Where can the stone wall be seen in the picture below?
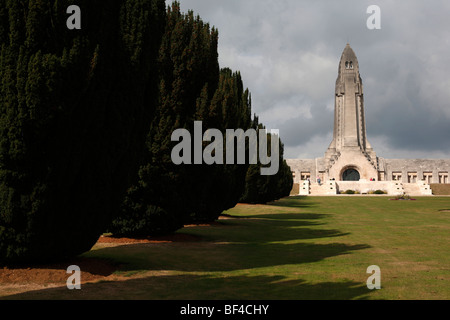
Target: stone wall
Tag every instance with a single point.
(364, 187)
(302, 165)
(422, 168)
(409, 170)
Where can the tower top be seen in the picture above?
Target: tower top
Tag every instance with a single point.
(350, 152)
(349, 124)
(349, 62)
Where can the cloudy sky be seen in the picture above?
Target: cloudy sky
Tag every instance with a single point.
(288, 53)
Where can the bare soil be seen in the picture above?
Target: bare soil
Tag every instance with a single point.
(177, 237)
(16, 279)
(92, 269)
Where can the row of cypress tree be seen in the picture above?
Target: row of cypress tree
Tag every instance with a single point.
(86, 118)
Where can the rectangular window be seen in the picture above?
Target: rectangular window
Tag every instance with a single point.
(305, 176)
(397, 176)
(412, 177)
(428, 177)
(443, 177)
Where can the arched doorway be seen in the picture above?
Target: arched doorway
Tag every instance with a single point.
(351, 174)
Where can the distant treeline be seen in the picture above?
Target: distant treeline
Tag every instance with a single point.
(86, 118)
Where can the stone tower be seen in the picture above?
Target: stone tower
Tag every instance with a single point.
(350, 155)
(350, 163)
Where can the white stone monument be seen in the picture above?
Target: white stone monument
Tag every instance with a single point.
(350, 161)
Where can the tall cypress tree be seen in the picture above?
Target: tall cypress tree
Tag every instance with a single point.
(261, 188)
(220, 187)
(159, 200)
(192, 88)
(74, 112)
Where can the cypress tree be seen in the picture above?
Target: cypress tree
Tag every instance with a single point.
(192, 88)
(74, 112)
(261, 189)
(221, 186)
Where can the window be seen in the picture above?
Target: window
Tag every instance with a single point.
(396, 176)
(351, 175)
(412, 177)
(305, 176)
(443, 177)
(428, 176)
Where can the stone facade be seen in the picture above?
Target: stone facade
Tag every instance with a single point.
(350, 163)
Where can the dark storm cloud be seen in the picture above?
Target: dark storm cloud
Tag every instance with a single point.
(288, 53)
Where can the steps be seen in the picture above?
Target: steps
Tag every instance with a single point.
(326, 188)
(417, 189)
(412, 189)
(391, 187)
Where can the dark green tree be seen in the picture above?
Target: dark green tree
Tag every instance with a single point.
(266, 188)
(192, 88)
(75, 107)
(161, 198)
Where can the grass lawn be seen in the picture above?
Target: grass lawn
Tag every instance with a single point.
(296, 248)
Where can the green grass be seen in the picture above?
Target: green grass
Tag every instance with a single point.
(296, 248)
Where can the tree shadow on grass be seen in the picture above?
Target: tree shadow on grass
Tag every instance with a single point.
(282, 216)
(288, 202)
(222, 257)
(264, 241)
(294, 202)
(249, 244)
(275, 228)
(204, 287)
